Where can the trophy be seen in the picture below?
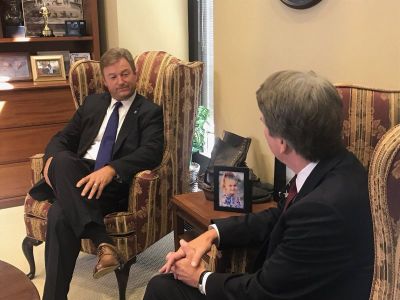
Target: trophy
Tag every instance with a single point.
(46, 31)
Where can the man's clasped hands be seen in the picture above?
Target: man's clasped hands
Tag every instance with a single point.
(185, 262)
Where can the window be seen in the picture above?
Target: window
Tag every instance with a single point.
(201, 47)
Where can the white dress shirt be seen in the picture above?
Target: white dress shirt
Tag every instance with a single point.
(123, 110)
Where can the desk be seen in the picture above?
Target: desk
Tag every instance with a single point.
(196, 210)
(14, 284)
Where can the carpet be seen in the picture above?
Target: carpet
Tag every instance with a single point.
(83, 286)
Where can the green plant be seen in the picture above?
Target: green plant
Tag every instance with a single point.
(199, 133)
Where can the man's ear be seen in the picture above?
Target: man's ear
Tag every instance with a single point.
(284, 147)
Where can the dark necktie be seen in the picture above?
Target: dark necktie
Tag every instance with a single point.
(108, 140)
(292, 192)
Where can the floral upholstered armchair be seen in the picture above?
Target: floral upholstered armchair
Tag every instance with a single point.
(370, 132)
(384, 191)
(175, 85)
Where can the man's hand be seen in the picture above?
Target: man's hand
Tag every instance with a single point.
(96, 182)
(184, 270)
(201, 245)
(46, 171)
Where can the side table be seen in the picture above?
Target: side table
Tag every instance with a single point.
(14, 284)
(196, 210)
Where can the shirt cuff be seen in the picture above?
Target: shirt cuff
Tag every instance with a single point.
(216, 229)
(202, 288)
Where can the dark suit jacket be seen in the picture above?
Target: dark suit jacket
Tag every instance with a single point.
(139, 144)
(320, 248)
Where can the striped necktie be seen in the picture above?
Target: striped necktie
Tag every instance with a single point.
(292, 192)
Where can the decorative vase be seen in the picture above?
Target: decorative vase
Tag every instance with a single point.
(194, 169)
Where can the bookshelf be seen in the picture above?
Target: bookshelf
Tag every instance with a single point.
(32, 112)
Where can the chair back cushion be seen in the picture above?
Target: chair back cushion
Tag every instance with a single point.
(384, 190)
(85, 79)
(176, 85)
(368, 114)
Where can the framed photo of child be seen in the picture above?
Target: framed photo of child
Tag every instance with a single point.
(232, 191)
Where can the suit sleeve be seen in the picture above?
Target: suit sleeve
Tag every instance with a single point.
(68, 138)
(312, 252)
(149, 153)
(247, 227)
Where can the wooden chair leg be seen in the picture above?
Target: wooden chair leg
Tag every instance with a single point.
(122, 275)
(27, 248)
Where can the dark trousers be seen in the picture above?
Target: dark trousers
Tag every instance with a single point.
(72, 217)
(165, 286)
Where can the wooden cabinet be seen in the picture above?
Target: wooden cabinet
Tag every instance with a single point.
(31, 113)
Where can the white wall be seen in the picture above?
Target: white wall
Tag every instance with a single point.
(347, 41)
(142, 25)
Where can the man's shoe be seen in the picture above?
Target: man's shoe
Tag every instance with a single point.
(108, 260)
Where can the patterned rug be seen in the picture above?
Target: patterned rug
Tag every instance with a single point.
(147, 266)
(83, 286)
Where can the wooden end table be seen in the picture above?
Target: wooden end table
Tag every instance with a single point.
(196, 210)
(14, 284)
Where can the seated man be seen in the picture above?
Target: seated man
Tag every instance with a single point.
(318, 242)
(89, 166)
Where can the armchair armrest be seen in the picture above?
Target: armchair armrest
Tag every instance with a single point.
(37, 167)
(144, 186)
(142, 199)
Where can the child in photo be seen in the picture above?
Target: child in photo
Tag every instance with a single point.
(229, 188)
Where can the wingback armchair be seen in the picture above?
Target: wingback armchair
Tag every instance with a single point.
(384, 191)
(175, 85)
(368, 114)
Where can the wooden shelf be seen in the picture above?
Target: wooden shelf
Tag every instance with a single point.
(45, 39)
(27, 85)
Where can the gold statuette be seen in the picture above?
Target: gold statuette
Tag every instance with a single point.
(46, 31)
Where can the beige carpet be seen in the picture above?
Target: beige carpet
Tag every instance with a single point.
(83, 286)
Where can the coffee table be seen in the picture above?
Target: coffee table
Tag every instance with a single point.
(14, 284)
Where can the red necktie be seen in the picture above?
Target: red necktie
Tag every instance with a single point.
(292, 192)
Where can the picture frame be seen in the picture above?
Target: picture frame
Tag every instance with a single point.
(74, 57)
(232, 190)
(48, 67)
(75, 28)
(15, 67)
(65, 55)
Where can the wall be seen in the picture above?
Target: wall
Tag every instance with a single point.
(145, 25)
(346, 41)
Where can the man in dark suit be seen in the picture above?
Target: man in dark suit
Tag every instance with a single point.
(318, 243)
(89, 166)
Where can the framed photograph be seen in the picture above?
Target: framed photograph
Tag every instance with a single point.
(232, 191)
(65, 55)
(14, 66)
(48, 67)
(74, 57)
(75, 28)
(59, 12)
